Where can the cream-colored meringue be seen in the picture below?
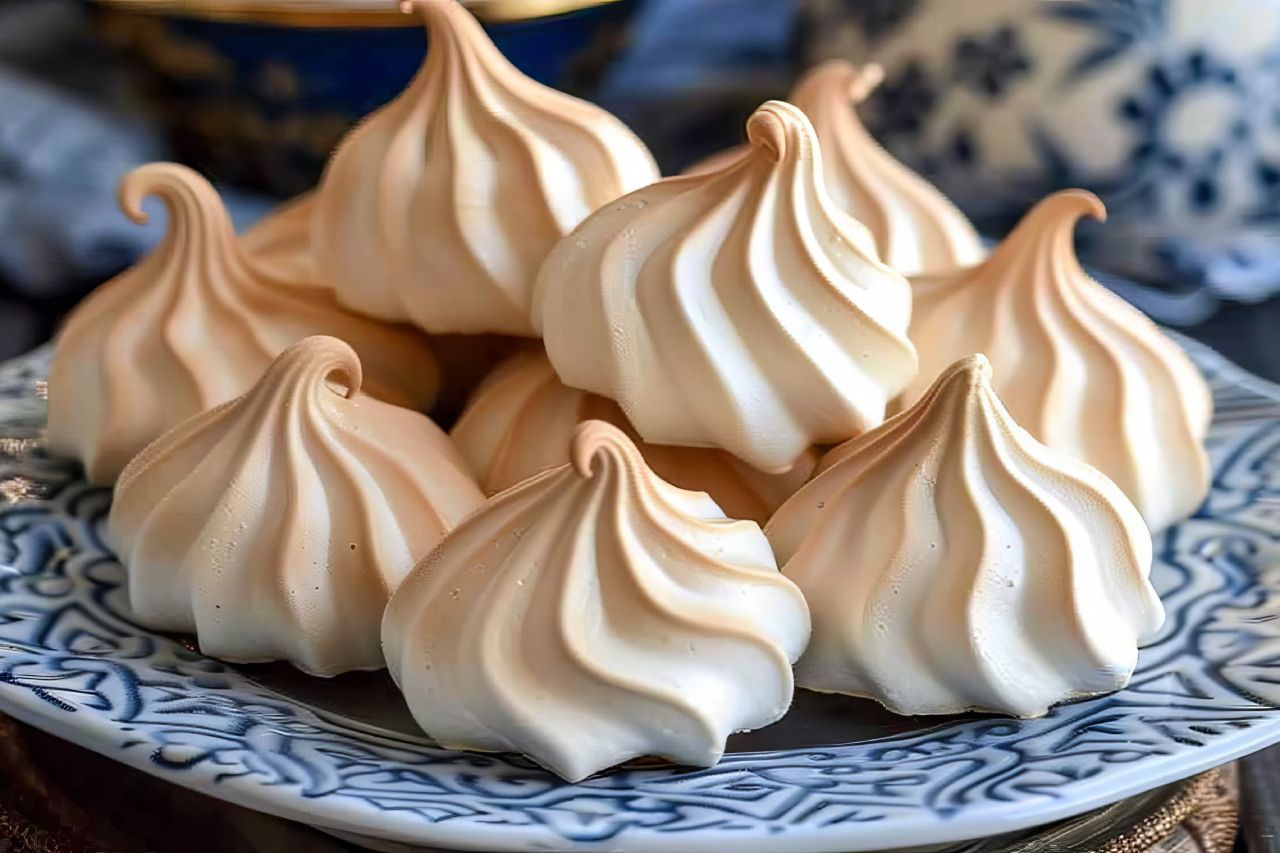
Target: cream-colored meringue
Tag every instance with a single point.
(918, 231)
(439, 207)
(194, 324)
(953, 563)
(593, 614)
(738, 309)
(1081, 369)
(281, 242)
(276, 526)
(519, 422)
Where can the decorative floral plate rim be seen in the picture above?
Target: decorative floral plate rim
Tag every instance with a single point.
(1207, 691)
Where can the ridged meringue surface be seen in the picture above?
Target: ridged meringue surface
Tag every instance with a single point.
(281, 242)
(594, 614)
(520, 420)
(439, 207)
(952, 563)
(192, 325)
(1081, 369)
(276, 526)
(738, 309)
(918, 231)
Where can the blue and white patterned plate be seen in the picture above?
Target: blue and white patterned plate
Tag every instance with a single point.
(837, 775)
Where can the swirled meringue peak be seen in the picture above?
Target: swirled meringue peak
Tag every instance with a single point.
(955, 563)
(276, 526)
(439, 207)
(281, 242)
(918, 231)
(192, 325)
(738, 309)
(1081, 369)
(520, 420)
(596, 613)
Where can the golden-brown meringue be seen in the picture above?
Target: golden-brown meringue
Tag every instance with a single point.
(192, 325)
(520, 420)
(739, 309)
(439, 207)
(281, 242)
(952, 563)
(1080, 368)
(918, 231)
(593, 614)
(277, 525)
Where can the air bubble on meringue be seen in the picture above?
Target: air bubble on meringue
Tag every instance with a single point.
(954, 563)
(595, 613)
(1080, 368)
(276, 526)
(739, 309)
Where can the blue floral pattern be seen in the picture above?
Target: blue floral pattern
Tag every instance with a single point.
(73, 661)
(1173, 122)
(1118, 26)
(991, 64)
(1154, 158)
(904, 102)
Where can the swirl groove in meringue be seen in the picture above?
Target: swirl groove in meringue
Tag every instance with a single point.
(192, 325)
(1081, 369)
(738, 309)
(439, 207)
(277, 525)
(918, 231)
(593, 614)
(520, 420)
(953, 563)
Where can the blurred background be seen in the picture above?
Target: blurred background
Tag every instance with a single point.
(1168, 109)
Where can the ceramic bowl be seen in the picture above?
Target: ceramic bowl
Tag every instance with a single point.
(1169, 109)
(257, 93)
(836, 774)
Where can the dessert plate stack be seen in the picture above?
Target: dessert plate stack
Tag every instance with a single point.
(780, 422)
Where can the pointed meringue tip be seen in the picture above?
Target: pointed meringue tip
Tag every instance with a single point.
(173, 182)
(975, 368)
(1073, 204)
(864, 81)
(768, 126)
(597, 440)
(977, 364)
(318, 358)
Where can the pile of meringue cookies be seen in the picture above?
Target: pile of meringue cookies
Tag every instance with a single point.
(957, 457)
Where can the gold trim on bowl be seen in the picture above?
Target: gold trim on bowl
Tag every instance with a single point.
(304, 14)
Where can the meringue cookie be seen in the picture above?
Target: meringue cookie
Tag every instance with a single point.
(276, 526)
(593, 614)
(439, 207)
(520, 420)
(954, 563)
(738, 309)
(192, 325)
(281, 242)
(1082, 370)
(918, 231)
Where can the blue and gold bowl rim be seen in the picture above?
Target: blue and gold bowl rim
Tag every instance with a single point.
(336, 14)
